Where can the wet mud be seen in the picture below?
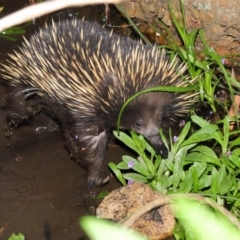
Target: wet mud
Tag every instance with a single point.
(41, 187)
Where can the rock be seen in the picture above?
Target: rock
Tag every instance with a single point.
(120, 203)
(218, 19)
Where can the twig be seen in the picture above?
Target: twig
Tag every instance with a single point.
(129, 221)
(43, 8)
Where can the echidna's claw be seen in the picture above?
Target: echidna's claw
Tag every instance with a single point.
(29, 92)
(22, 104)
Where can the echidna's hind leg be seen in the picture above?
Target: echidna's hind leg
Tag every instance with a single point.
(21, 104)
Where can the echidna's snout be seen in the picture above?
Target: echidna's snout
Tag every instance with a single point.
(151, 132)
(158, 145)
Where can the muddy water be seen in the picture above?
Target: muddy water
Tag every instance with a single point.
(40, 185)
(39, 182)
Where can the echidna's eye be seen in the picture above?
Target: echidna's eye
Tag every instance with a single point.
(139, 123)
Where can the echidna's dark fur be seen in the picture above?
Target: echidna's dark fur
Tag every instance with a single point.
(83, 73)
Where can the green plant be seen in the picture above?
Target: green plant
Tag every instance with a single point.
(15, 32)
(200, 221)
(18, 236)
(12, 33)
(96, 227)
(207, 69)
(191, 166)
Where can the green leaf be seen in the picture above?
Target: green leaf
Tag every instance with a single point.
(200, 168)
(200, 157)
(139, 141)
(236, 152)
(161, 169)
(178, 168)
(225, 182)
(235, 158)
(222, 173)
(214, 183)
(227, 162)
(180, 29)
(117, 173)
(150, 149)
(218, 136)
(102, 195)
(157, 163)
(132, 23)
(204, 181)
(100, 229)
(141, 160)
(18, 236)
(13, 31)
(195, 179)
(162, 184)
(200, 121)
(182, 136)
(169, 165)
(235, 142)
(122, 166)
(164, 139)
(226, 134)
(204, 134)
(226, 185)
(135, 177)
(140, 168)
(209, 224)
(126, 140)
(205, 150)
(187, 183)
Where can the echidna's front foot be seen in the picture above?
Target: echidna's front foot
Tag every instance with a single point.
(21, 105)
(98, 177)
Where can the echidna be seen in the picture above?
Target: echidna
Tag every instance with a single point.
(82, 74)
